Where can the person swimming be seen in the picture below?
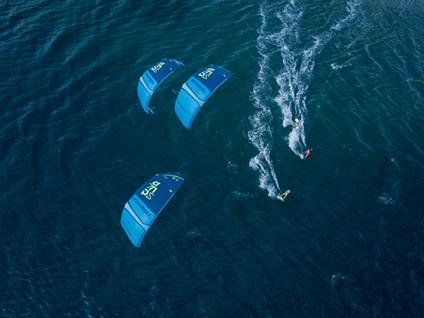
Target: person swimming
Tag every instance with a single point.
(296, 120)
(284, 195)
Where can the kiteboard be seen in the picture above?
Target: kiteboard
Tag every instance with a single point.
(152, 110)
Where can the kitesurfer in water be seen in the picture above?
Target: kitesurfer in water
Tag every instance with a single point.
(296, 120)
(284, 195)
(307, 153)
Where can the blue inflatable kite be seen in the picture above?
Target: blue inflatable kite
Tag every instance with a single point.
(146, 204)
(197, 90)
(152, 78)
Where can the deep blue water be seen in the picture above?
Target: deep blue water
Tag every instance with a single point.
(75, 145)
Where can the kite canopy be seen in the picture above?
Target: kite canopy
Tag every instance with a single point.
(197, 90)
(152, 78)
(146, 204)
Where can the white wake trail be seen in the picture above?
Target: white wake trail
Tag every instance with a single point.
(279, 33)
(261, 134)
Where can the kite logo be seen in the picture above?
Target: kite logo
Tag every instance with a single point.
(199, 85)
(206, 73)
(141, 206)
(150, 190)
(157, 67)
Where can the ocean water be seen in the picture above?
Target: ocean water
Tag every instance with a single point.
(75, 144)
